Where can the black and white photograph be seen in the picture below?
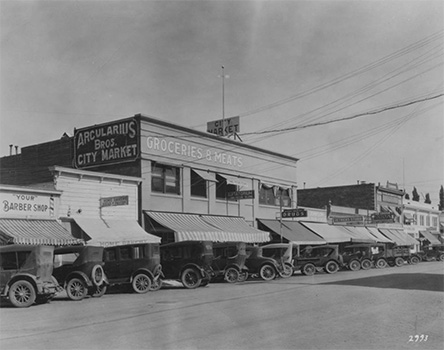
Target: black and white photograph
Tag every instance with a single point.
(221, 174)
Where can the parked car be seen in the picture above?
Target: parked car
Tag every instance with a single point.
(188, 262)
(364, 256)
(79, 269)
(137, 265)
(432, 252)
(258, 264)
(229, 261)
(26, 274)
(313, 259)
(283, 254)
(396, 255)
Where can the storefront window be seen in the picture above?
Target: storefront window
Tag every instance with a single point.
(427, 220)
(222, 187)
(272, 196)
(165, 179)
(421, 220)
(198, 185)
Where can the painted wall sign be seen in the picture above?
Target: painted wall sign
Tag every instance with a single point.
(294, 213)
(382, 217)
(26, 205)
(185, 150)
(106, 143)
(114, 201)
(247, 194)
(223, 127)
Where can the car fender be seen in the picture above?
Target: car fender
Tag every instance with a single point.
(194, 266)
(24, 276)
(79, 274)
(145, 271)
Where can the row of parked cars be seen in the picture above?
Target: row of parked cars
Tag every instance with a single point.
(35, 273)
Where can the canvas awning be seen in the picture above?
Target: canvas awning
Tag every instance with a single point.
(360, 234)
(330, 233)
(399, 237)
(378, 235)
(430, 237)
(113, 232)
(199, 227)
(233, 180)
(35, 231)
(205, 175)
(293, 231)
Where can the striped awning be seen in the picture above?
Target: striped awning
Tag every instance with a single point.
(331, 233)
(430, 237)
(199, 227)
(360, 234)
(35, 231)
(111, 232)
(293, 231)
(399, 237)
(378, 235)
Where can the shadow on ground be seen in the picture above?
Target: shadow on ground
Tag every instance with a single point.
(414, 281)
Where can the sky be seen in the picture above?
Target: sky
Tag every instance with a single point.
(292, 71)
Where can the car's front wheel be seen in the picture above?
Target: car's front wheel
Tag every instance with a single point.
(414, 260)
(99, 291)
(308, 269)
(191, 278)
(267, 272)
(441, 257)
(331, 267)
(354, 265)
(380, 263)
(399, 261)
(156, 285)
(22, 294)
(243, 276)
(287, 271)
(76, 289)
(231, 275)
(366, 264)
(141, 283)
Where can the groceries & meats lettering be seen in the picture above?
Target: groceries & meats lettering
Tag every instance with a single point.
(105, 144)
(190, 151)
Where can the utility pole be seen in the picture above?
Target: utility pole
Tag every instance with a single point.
(223, 76)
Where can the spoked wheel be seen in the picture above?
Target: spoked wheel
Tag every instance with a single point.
(99, 291)
(381, 264)
(231, 275)
(76, 289)
(366, 264)
(331, 267)
(156, 285)
(191, 278)
(399, 261)
(243, 276)
(267, 272)
(441, 257)
(286, 271)
(414, 260)
(354, 265)
(141, 283)
(308, 269)
(22, 294)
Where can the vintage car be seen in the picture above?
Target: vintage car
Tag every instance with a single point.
(137, 265)
(365, 255)
(79, 269)
(283, 254)
(188, 262)
(258, 264)
(26, 274)
(432, 252)
(395, 255)
(229, 261)
(317, 258)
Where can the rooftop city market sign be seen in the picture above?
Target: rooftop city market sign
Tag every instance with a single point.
(106, 143)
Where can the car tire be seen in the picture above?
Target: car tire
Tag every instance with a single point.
(97, 275)
(331, 267)
(308, 269)
(191, 278)
(243, 276)
(287, 271)
(399, 261)
(22, 294)
(99, 291)
(156, 284)
(381, 264)
(76, 289)
(414, 260)
(366, 264)
(354, 265)
(441, 257)
(267, 272)
(141, 283)
(231, 275)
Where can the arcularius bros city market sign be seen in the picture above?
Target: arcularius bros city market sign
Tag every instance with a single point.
(106, 143)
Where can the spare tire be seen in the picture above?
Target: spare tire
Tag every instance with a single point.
(97, 275)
